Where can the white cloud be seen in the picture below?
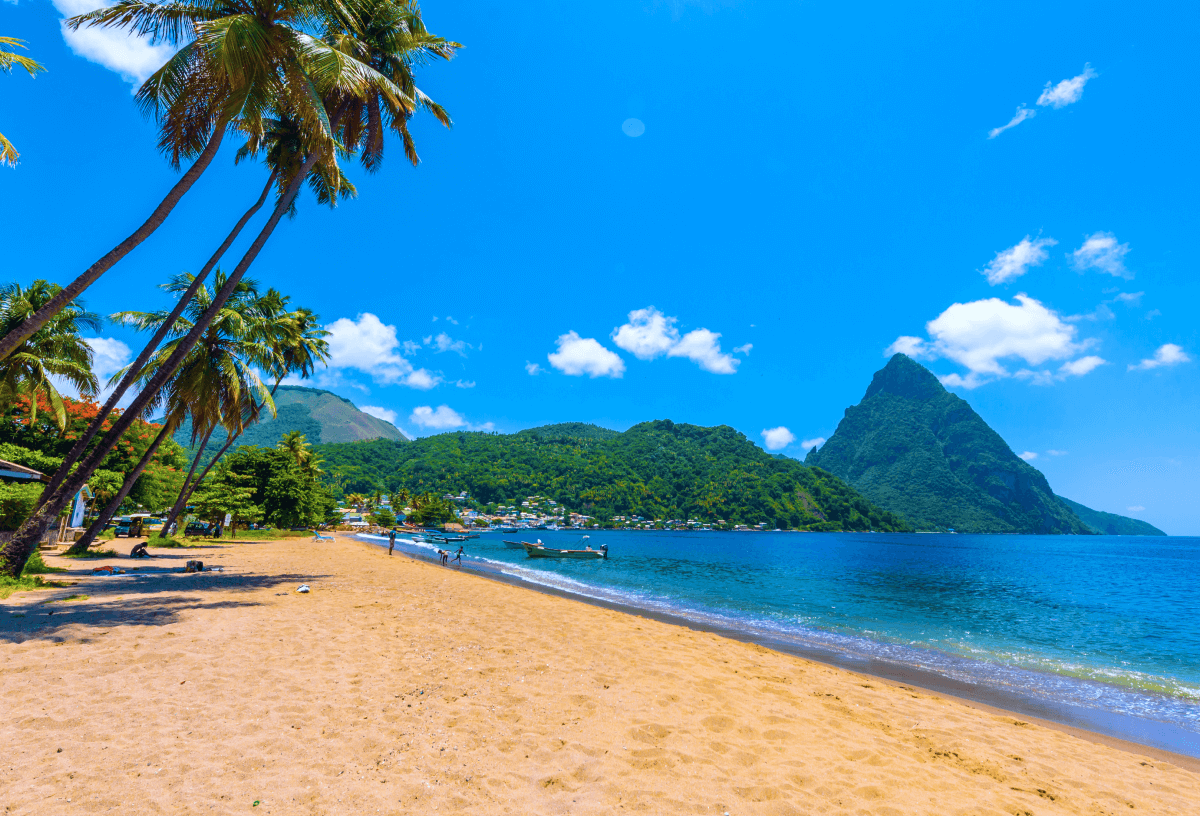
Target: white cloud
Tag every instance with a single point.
(1084, 365)
(386, 414)
(440, 419)
(1067, 91)
(648, 334)
(911, 346)
(452, 320)
(1057, 452)
(410, 348)
(1028, 456)
(533, 368)
(579, 355)
(134, 58)
(702, 347)
(1101, 251)
(743, 349)
(370, 346)
(777, 438)
(1137, 508)
(1020, 116)
(1016, 260)
(980, 334)
(444, 342)
(465, 383)
(813, 443)
(1168, 354)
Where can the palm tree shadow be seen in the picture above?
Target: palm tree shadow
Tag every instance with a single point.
(137, 601)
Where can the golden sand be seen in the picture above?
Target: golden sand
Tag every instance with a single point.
(404, 687)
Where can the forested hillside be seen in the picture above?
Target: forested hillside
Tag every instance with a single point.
(1111, 523)
(321, 416)
(656, 469)
(918, 450)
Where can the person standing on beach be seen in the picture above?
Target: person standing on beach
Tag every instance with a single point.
(458, 555)
(391, 541)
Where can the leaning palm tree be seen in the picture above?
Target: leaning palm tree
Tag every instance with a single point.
(216, 382)
(8, 153)
(339, 74)
(237, 60)
(54, 351)
(296, 344)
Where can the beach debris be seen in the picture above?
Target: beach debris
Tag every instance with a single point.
(304, 588)
(194, 566)
(107, 570)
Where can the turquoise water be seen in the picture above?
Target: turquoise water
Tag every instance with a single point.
(1101, 622)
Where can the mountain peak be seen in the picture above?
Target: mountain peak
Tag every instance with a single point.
(905, 377)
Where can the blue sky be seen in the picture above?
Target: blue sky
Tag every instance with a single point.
(816, 183)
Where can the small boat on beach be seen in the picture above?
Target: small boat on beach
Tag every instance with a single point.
(540, 550)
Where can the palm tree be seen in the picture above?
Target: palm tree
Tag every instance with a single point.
(215, 384)
(238, 59)
(8, 153)
(340, 75)
(55, 350)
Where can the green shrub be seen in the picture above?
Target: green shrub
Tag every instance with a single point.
(17, 502)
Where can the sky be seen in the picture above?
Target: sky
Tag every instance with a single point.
(717, 212)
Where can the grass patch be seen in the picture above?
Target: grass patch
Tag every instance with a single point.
(28, 582)
(177, 542)
(76, 597)
(107, 535)
(269, 535)
(93, 554)
(36, 566)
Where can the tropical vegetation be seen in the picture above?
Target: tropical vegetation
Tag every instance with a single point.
(304, 82)
(8, 154)
(660, 469)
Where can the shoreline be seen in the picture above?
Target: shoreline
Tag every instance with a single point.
(1121, 731)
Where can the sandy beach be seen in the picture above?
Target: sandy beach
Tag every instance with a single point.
(398, 686)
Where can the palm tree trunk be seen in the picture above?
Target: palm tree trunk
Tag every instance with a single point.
(85, 541)
(184, 493)
(131, 375)
(25, 330)
(16, 552)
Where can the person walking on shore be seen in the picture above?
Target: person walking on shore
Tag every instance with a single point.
(391, 541)
(458, 556)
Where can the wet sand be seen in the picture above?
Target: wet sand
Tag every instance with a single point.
(398, 686)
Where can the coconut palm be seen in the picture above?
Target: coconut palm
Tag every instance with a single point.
(8, 153)
(217, 382)
(317, 146)
(238, 60)
(55, 350)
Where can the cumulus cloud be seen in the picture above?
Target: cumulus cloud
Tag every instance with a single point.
(981, 334)
(584, 355)
(109, 356)
(370, 346)
(410, 347)
(650, 334)
(777, 438)
(703, 348)
(1067, 91)
(743, 349)
(464, 383)
(1015, 261)
(1028, 456)
(533, 368)
(1020, 116)
(1101, 251)
(441, 418)
(134, 58)
(386, 414)
(813, 443)
(1168, 354)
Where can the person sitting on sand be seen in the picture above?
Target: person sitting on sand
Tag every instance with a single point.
(139, 551)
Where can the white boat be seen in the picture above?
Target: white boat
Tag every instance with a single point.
(540, 550)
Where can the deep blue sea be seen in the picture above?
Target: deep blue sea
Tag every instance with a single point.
(1101, 624)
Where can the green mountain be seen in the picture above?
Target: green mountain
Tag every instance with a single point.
(917, 450)
(320, 415)
(658, 470)
(1110, 523)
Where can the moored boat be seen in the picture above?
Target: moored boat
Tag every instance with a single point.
(540, 550)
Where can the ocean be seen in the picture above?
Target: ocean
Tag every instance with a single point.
(1101, 632)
